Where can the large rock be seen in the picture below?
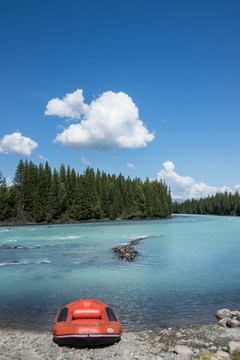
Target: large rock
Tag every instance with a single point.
(235, 313)
(223, 313)
(234, 346)
(222, 354)
(183, 350)
(223, 322)
(233, 323)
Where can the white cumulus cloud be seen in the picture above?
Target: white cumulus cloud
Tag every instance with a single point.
(110, 122)
(185, 187)
(17, 144)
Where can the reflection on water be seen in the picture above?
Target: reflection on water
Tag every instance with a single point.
(187, 265)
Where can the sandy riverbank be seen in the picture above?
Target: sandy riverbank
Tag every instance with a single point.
(147, 344)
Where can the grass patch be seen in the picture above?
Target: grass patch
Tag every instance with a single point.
(207, 356)
(235, 355)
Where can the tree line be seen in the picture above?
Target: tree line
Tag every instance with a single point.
(219, 204)
(39, 194)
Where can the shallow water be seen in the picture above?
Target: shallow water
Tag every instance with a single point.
(187, 268)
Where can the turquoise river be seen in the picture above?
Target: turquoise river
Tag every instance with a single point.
(187, 268)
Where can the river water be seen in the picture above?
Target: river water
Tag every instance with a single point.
(187, 268)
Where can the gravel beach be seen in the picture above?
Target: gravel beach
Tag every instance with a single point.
(162, 343)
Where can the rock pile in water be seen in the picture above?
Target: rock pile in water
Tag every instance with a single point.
(127, 252)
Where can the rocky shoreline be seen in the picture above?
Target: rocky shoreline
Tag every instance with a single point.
(10, 223)
(204, 342)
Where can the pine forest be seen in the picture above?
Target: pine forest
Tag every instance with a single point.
(39, 194)
(219, 204)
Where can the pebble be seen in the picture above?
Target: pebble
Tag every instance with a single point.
(154, 351)
(183, 350)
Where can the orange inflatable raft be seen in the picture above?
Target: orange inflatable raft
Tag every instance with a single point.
(87, 322)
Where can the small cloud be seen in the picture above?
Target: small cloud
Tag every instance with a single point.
(85, 161)
(43, 158)
(185, 187)
(237, 187)
(110, 122)
(131, 166)
(60, 127)
(17, 144)
(162, 121)
(9, 181)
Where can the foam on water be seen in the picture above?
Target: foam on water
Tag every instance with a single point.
(14, 263)
(67, 237)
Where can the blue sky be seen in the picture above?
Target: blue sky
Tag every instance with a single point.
(153, 89)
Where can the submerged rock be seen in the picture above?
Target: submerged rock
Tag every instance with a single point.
(136, 241)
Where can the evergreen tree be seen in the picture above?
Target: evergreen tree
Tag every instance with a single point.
(148, 197)
(3, 197)
(11, 211)
(53, 200)
(76, 212)
(18, 184)
(104, 195)
(30, 188)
